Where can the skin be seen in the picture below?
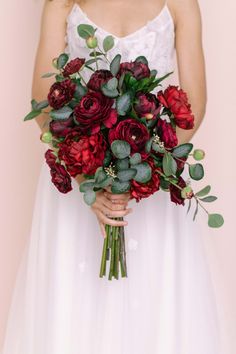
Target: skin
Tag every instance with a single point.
(190, 61)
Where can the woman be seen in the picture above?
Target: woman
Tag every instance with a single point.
(166, 305)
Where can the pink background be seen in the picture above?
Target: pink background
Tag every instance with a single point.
(22, 151)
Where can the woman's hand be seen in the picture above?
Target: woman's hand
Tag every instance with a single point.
(107, 206)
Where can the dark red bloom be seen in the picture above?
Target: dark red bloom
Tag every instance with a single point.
(61, 178)
(98, 78)
(61, 128)
(147, 105)
(176, 101)
(175, 192)
(61, 93)
(73, 66)
(132, 131)
(50, 157)
(137, 69)
(167, 133)
(139, 190)
(82, 154)
(93, 109)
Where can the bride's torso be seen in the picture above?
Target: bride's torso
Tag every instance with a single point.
(155, 40)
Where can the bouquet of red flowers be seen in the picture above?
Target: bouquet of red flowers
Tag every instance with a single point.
(118, 134)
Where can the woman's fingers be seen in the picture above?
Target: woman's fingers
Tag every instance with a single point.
(113, 206)
(115, 213)
(118, 198)
(102, 227)
(105, 220)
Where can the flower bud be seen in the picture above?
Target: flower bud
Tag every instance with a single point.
(46, 137)
(198, 154)
(148, 116)
(187, 192)
(92, 42)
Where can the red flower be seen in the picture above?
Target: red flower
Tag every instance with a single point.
(139, 190)
(132, 131)
(82, 154)
(73, 67)
(137, 69)
(61, 178)
(61, 93)
(147, 105)
(94, 109)
(167, 133)
(176, 101)
(175, 192)
(50, 158)
(61, 128)
(98, 78)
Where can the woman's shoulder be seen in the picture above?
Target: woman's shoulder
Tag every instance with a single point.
(59, 9)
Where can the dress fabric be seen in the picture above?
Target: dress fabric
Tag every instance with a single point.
(167, 305)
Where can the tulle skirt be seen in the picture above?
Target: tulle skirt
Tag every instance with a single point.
(60, 305)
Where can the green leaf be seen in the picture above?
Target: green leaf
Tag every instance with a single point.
(215, 220)
(32, 115)
(123, 104)
(120, 149)
(169, 164)
(108, 43)
(135, 159)
(196, 171)
(144, 172)
(42, 105)
(153, 73)
(85, 31)
(209, 199)
(45, 76)
(115, 65)
(122, 164)
(109, 93)
(164, 184)
(80, 90)
(97, 54)
(142, 59)
(148, 145)
(182, 150)
(163, 77)
(112, 84)
(126, 175)
(107, 159)
(110, 88)
(121, 80)
(86, 186)
(91, 61)
(34, 105)
(119, 187)
(62, 60)
(203, 191)
(196, 211)
(157, 148)
(189, 205)
(89, 197)
(62, 113)
(100, 175)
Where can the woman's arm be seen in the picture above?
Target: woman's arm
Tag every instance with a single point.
(190, 59)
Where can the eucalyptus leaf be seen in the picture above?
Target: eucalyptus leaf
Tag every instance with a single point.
(108, 43)
(91, 61)
(122, 164)
(86, 185)
(126, 175)
(169, 164)
(123, 103)
(96, 53)
(119, 187)
(144, 172)
(209, 199)
(135, 159)
(142, 59)
(189, 205)
(196, 171)
(62, 60)
(85, 31)
(195, 213)
(157, 148)
(120, 149)
(34, 105)
(47, 75)
(148, 145)
(215, 220)
(110, 93)
(42, 105)
(89, 197)
(32, 115)
(62, 113)
(203, 191)
(182, 150)
(115, 65)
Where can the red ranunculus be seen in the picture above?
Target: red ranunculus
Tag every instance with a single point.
(61, 93)
(147, 105)
(93, 109)
(139, 190)
(175, 192)
(98, 78)
(167, 133)
(50, 158)
(137, 69)
(82, 154)
(73, 66)
(61, 128)
(132, 131)
(61, 178)
(176, 101)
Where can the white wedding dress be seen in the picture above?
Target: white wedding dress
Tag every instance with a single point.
(60, 305)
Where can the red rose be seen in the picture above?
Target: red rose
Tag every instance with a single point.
(93, 109)
(61, 93)
(132, 131)
(175, 192)
(98, 78)
(139, 190)
(147, 105)
(137, 69)
(50, 158)
(73, 67)
(82, 154)
(167, 133)
(61, 178)
(61, 128)
(176, 100)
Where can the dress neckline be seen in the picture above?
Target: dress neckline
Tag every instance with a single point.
(138, 31)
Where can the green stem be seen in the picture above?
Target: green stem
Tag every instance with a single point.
(95, 56)
(112, 254)
(82, 79)
(103, 262)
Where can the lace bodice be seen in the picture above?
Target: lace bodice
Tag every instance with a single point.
(155, 40)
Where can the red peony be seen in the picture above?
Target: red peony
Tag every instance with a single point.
(93, 109)
(139, 190)
(167, 133)
(176, 101)
(61, 178)
(137, 69)
(61, 128)
(61, 93)
(82, 154)
(175, 192)
(98, 78)
(73, 67)
(147, 105)
(132, 131)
